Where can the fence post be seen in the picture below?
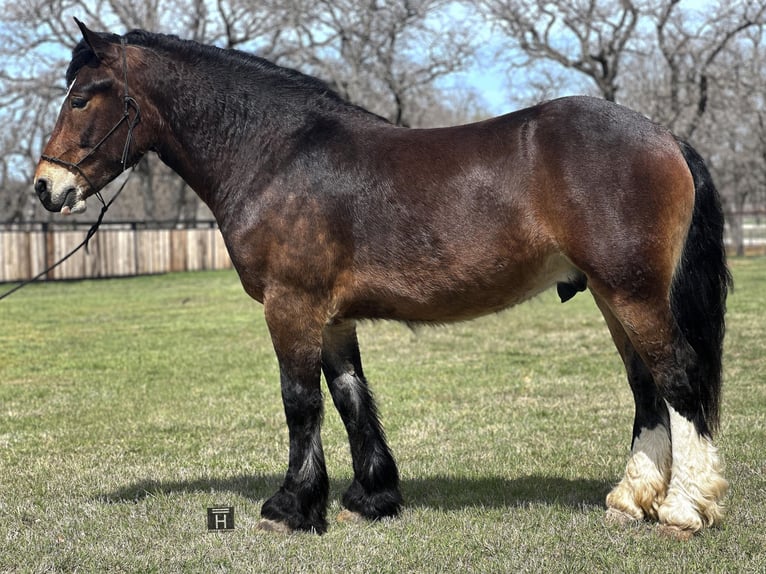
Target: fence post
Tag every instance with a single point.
(136, 256)
(50, 249)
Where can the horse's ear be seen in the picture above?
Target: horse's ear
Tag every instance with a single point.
(96, 43)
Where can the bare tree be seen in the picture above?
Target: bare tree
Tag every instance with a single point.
(590, 37)
(690, 47)
(698, 72)
(733, 130)
(383, 55)
(387, 56)
(708, 88)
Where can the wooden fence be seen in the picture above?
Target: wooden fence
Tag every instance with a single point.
(123, 249)
(118, 249)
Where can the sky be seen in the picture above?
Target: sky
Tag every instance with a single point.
(503, 89)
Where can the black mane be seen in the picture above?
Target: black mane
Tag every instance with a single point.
(190, 50)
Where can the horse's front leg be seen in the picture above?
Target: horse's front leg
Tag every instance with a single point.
(374, 492)
(301, 502)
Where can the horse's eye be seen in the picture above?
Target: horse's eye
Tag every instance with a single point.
(78, 103)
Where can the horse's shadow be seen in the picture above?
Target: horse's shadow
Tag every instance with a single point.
(439, 492)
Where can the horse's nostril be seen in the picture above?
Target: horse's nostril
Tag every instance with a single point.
(41, 186)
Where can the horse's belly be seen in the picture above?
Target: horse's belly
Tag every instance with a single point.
(450, 294)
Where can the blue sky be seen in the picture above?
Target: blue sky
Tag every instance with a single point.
(504, 89)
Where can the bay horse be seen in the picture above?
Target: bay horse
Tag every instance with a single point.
(333, 215)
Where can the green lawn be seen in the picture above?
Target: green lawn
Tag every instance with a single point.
(129, 406)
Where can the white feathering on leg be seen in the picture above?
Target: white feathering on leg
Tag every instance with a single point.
(642, 490)
(697, 484)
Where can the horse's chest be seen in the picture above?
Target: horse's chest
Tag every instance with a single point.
(295, 250)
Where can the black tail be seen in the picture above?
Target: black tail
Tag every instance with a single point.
(700, 287)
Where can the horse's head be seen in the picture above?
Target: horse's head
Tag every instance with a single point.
(97, 134)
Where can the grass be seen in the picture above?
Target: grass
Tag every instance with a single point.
(129, 406)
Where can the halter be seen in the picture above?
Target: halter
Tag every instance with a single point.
(129, 102)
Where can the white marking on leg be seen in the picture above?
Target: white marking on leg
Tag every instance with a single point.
(697, 484)
(642, 490)
(313, 459)
(350, 385)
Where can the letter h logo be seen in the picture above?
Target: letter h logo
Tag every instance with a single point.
(220, 518)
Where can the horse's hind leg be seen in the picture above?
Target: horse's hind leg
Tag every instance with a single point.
(374, 492)
(696, 487)
(643, 488)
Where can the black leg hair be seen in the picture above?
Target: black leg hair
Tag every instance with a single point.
(374, 492)
(651, 410)
(301, 502)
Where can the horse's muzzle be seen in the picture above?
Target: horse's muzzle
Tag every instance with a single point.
(58, 190)
(43, 191)
(66, 203)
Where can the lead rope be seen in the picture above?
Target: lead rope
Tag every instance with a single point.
(84, 243)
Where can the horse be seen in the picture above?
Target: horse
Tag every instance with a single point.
(332, 215)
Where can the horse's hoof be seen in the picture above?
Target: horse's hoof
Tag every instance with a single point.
(266, 525)
(674, 532)
(620, 518)
(350, 517)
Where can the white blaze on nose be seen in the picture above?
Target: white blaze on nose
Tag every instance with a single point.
(63, 186)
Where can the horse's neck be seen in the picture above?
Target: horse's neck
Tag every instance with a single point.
(221, 144)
